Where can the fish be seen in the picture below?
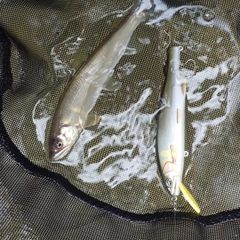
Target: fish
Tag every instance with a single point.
(73, 112)
(170, 138)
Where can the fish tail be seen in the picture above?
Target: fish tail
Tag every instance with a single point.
(189, 197)
(139, 10)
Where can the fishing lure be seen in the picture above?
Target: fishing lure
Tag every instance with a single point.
(171, 129)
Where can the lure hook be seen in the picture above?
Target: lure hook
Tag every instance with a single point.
(168, 44)
(169, 40)
(194, 68)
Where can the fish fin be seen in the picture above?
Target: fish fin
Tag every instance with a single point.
(140, 9)
(188, 196)
(92, 119)
(112, 85)
(76, 110)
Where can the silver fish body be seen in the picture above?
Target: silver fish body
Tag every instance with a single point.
(171, 124)
(171, 129)
(81, 94)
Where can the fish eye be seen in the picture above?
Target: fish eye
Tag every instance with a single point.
(59, 144)
(168, 182)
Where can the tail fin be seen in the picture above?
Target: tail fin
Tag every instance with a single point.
(188, 196)
(142, 9)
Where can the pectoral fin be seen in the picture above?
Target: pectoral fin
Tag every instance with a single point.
(112, 85)
(91, 120)
(188, 196)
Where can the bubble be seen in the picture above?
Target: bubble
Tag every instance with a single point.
(208, 15)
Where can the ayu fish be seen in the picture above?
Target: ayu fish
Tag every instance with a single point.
(171, 129)
(73, 111)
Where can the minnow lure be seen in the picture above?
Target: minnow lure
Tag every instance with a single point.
(171, 129)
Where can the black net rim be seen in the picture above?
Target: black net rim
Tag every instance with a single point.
(19, 158)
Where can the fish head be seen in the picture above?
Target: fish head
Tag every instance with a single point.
(172, 178)
(62, 141)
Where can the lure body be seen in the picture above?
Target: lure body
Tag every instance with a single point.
(171, 124)
(171, 127)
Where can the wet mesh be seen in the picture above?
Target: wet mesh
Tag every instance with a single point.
(109, 187)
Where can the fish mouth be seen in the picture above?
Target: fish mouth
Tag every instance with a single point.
(57, 156)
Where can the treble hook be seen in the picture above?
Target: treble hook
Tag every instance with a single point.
(169, 40)
(166, 47)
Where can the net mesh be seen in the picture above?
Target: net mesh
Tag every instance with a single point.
(40, 50)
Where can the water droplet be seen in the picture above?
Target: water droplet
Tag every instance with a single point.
(208, 15)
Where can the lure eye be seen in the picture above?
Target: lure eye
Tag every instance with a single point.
(59, 144)
(168, 182)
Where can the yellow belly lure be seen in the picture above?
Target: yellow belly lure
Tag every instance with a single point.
(171, 129)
